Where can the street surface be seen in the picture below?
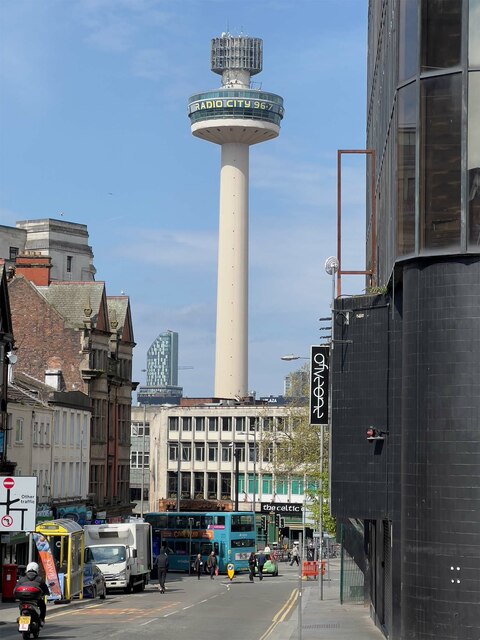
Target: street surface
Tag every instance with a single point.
(190, 609)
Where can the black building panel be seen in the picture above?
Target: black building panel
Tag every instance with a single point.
(361, 467)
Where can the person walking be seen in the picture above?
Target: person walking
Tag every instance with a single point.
(212, 564)
(197, 565)
(252, 562)
(162, 567)
(260, 562)
(295, 555)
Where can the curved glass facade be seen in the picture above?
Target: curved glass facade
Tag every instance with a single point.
(417, 101)
(227, 103)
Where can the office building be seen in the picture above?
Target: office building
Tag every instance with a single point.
(162, 372)
(406, 400)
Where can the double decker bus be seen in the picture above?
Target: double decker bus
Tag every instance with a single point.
(231, 535)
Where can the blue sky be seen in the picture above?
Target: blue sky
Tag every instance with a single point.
(93, 124)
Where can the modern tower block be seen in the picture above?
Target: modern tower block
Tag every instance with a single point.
(234, 116)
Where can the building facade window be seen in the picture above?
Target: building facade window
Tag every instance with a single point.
(213, 424)
(199, 484)
(186, 424)
(199, 452)
(186, 451)
(173, 423)
(173, 452)
(225, 486)
(240, 424)
(200, 424)
(267, 483)
(440, 187)
(473, 159)
(282, 486)
(212, 452)
(441, 34)
(186, 480)
(19, 431)
(212, 486)
(226, 453)
(406, 168)
(172, 484)
(226, 424)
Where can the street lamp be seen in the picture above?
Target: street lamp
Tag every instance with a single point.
(291, 356)
(142, 495)
(236, 454)
(248, 434)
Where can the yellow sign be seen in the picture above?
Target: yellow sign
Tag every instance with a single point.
(230, 570)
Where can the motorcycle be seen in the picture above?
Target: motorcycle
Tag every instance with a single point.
(29, 623)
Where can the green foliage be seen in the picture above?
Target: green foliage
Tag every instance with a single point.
(296, 452)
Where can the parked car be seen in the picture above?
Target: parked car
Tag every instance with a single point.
(270, 567)
(93, 582)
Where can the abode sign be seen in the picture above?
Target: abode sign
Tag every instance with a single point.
(319, 366)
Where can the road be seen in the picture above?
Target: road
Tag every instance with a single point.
(190, 609)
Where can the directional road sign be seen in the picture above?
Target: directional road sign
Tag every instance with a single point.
(18, 503)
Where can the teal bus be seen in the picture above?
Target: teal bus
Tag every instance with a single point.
(231, 535)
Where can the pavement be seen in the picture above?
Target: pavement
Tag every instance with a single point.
(325, 619)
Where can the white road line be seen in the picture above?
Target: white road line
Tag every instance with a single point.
(171, 613)
(148, 622)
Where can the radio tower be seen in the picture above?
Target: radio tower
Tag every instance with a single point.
(234, 116)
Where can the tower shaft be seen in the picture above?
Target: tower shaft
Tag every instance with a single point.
(231, 360)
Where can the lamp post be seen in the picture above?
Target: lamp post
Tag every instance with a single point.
(142, 494)
(190, 524)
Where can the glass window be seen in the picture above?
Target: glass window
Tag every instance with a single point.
(172, 451)
(226, 424)
(19, 430)
(441, 162)
(282, 486)
(172, 484)
(252, 486)
(242, 523)
(297, 486)
(225, 486)
(200, 424)
(406, 158)
(13, 253)
(241, 483)
(213, 424)
(212, 485)
(268, 453)
(212, 452)
(240, 424)
(186, 480)
(441, 34)
(267, 483)
(474, 33)
(268, 424)
(200, 452)
(186, 451)
(173, 423)
(69, 264)
(226, 453)
(199, 484)
(408, 40)
(251, 452)
(186, 424)
(473, 161)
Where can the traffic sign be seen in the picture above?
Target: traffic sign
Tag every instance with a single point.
(18, 504)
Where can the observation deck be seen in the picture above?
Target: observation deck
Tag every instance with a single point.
(235, 115)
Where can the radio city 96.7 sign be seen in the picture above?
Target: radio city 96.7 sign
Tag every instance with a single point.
(230, 103)
(319, 366)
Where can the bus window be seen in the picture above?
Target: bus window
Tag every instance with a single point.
(181, 547)
(246, 542)
(242, 523)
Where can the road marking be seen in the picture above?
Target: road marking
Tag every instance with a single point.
(148, 622)
(281, 614)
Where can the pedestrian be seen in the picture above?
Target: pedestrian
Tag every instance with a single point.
(261, 559)
(252, 562)
(197, 565)
(162, 568)
(212, 564)
(295, 555)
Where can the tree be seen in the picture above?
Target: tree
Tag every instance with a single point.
(295, 449)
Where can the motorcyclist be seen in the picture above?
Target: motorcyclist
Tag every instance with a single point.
(32, 578)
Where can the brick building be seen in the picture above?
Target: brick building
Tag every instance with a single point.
(74, 332)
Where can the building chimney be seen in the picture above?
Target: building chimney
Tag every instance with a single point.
(34, 267)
